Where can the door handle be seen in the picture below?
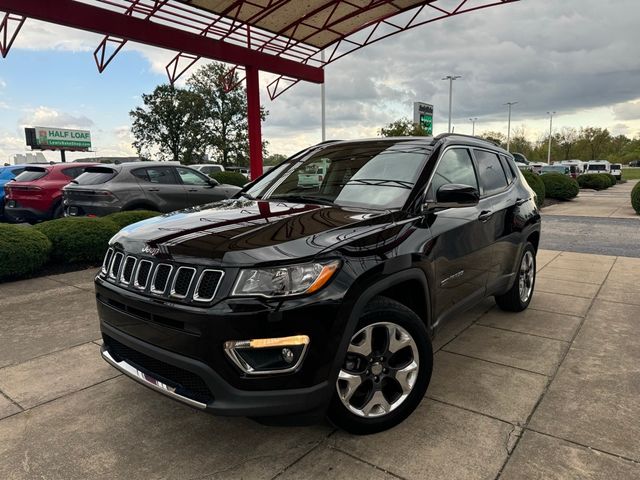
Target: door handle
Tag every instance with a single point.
(192, 190)
(485, 215)
(153, 189)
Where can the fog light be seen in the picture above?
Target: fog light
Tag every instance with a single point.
(264, 356)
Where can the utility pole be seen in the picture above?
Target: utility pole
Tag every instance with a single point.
(510, 104)
(324, 111)
(451, 78)
(551, 114)
(473, 123)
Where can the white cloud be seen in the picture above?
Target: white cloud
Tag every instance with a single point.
(49, 117)
(3, 84)
(627, 111)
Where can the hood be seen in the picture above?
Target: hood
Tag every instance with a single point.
(247, 232)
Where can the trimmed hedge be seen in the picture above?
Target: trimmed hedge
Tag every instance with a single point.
(596, 181)
(559, 186)
(230, 178)
(23, 250)
(536, 183)
(612, 179)
(78, 240)
(124, 219)
(635, 198)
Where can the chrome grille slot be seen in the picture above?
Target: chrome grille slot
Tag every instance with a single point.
(161, 278)
(115, 265)
(142, 274)
(207, 285)
(127, 270)
(107, 261)
(182, 282)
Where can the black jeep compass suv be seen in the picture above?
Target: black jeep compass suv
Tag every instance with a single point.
(305, 298)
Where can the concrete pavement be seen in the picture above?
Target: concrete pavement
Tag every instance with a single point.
(548, 393)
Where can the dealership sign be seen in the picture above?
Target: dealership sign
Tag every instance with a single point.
(423, 116)
(44, 138)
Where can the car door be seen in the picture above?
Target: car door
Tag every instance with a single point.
(460, 268)
(497, 201)
(162, 187)
(199, 188)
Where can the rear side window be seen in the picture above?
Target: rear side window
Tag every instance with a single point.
(95, 176)
(455, 166)
(162, 175)
(508, 170)
(492, 176)
(9, 173)
(32, 173)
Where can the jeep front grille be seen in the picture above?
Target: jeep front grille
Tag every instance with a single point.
(182, 283)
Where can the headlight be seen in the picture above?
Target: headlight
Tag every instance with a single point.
(283, 281)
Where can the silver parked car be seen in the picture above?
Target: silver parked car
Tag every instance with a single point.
(159, 186)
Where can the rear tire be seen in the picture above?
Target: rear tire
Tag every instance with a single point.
(386, 371)
(519, 295)
(58, 212)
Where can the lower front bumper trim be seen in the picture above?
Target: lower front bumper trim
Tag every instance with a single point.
(148, 381)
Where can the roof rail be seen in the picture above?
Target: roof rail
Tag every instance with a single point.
(437, 138)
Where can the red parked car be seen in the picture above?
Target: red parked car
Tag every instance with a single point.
(36, 194)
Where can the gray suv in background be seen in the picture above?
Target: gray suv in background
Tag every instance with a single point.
(160, 186)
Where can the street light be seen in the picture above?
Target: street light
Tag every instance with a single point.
(451, 78)
(511, 104)
(473, 123)
(551, 114)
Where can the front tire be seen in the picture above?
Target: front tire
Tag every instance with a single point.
(386, 370)
(519, 296)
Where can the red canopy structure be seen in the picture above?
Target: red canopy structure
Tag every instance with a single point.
(283, 37)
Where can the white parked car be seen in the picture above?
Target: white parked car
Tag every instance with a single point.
(598, 166)
(616, 170)
(208, 168)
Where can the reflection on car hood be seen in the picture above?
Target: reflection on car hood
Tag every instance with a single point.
(241, 232)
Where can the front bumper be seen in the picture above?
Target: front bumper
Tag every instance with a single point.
(178, 350)
(223, 399)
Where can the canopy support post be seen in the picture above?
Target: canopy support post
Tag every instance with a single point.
(254, 120)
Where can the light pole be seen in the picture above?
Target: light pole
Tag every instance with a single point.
(511, 104)
(451, 78)
(473, 125)
(551, 114)
(324, 99)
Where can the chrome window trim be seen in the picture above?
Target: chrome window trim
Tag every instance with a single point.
(435, 167)
(136, 276)
(106, 264)
(113, 275)
(153, 279)
(197, 297)
(172, 292)
(133, 269)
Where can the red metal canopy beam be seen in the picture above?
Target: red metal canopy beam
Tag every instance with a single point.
(95, 19)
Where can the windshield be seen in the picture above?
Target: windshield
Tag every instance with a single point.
(95, 176)
(597, 167)
(377, 175)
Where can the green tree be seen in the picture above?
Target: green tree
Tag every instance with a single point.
(275, 159)
(495, 137)
(226, 113)
(596, 140)
(566, 140)
(403, 128)
(169, 125)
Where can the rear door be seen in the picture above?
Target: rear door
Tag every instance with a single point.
(497, 201)
(198, 187)
(162, 187)
(460, 242)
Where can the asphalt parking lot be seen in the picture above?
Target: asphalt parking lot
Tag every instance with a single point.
(549, 393)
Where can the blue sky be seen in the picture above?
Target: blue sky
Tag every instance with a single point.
(575, 57)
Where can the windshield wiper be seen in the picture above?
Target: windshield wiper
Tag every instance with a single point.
(375, 182)
(301, 199)
(247, 195)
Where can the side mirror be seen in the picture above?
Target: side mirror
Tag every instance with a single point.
(213, 182)
(454, 195)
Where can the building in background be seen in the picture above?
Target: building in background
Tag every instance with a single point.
(22, 158)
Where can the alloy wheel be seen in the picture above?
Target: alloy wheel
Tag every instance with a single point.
(526, 277)
(380, 370)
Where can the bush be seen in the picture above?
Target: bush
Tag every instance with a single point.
(231, 178)
(635, 198)
(78, 240)
(536, 183)
(612, 179)
(23, 250)
(596, 181)
(559, 186)
(123, 219)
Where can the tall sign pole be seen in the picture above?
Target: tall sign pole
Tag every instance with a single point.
(510, 104)
(324, 108)
(551, 114)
